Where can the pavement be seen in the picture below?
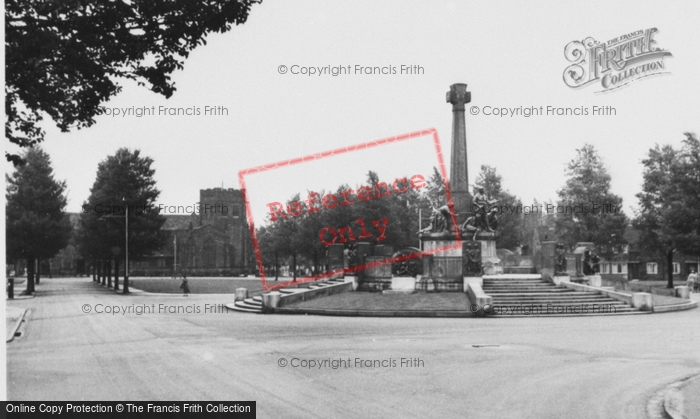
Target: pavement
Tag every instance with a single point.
(691, 399)
(663, 300)
(13, 320)
(170, 347)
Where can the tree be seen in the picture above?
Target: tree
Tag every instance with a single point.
(269, 249)
(63, 57)
(123, 180)
(510, 220)
(669, 214)
(37, 226)
(435, 190)
(306, 240)
(530, 222)
(587, 211)
(298, 236)
(400, 228)
(282, 239)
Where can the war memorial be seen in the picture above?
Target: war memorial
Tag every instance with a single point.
(458, 255)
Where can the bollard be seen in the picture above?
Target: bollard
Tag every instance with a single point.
(595, 281)
(643, 301)
(11, 288)
(271, 300)
(683, 292)
(241, 294)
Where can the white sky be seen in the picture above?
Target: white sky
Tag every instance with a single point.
(509, 53)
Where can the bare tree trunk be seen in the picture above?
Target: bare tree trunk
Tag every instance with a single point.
(669, 267)
(294, 266)
(277, 268)
(116, 274)
(109, 272)
(38, 270)
(94, 271)
(102, 272)
(30, 276)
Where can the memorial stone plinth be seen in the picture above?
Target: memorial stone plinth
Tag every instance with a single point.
(472, 263)
(547, 263)
(489, 257)
(447, 263)
(336, 260)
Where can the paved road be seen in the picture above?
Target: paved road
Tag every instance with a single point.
(586, 367)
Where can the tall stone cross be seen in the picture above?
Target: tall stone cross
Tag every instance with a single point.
(459, 178)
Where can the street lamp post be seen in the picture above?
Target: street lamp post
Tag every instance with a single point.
(126, 239)
(420, 227)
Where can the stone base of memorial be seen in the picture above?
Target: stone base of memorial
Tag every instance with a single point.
(446, 264)
(489, 258)
(402, 285)
(336, 260)
(376, 276)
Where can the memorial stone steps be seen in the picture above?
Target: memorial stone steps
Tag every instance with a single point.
(530, 295)
(545, 291)
(249, 304)
(254, 304)
(516, 300)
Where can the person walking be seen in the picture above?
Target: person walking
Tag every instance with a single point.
(693, 280)
(183, 285)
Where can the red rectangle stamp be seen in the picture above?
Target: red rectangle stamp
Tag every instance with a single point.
(317, 217)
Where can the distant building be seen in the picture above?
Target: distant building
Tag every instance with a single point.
(621, 262)
(68, 261)
(629, 263)
(213, 242)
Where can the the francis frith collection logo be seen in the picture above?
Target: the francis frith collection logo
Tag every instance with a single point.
(615, 63)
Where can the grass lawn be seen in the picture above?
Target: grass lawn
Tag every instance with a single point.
(655, 287)
(661, 295)
(658, 284)
(197, 285)
(662, 300)
(419, 301)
